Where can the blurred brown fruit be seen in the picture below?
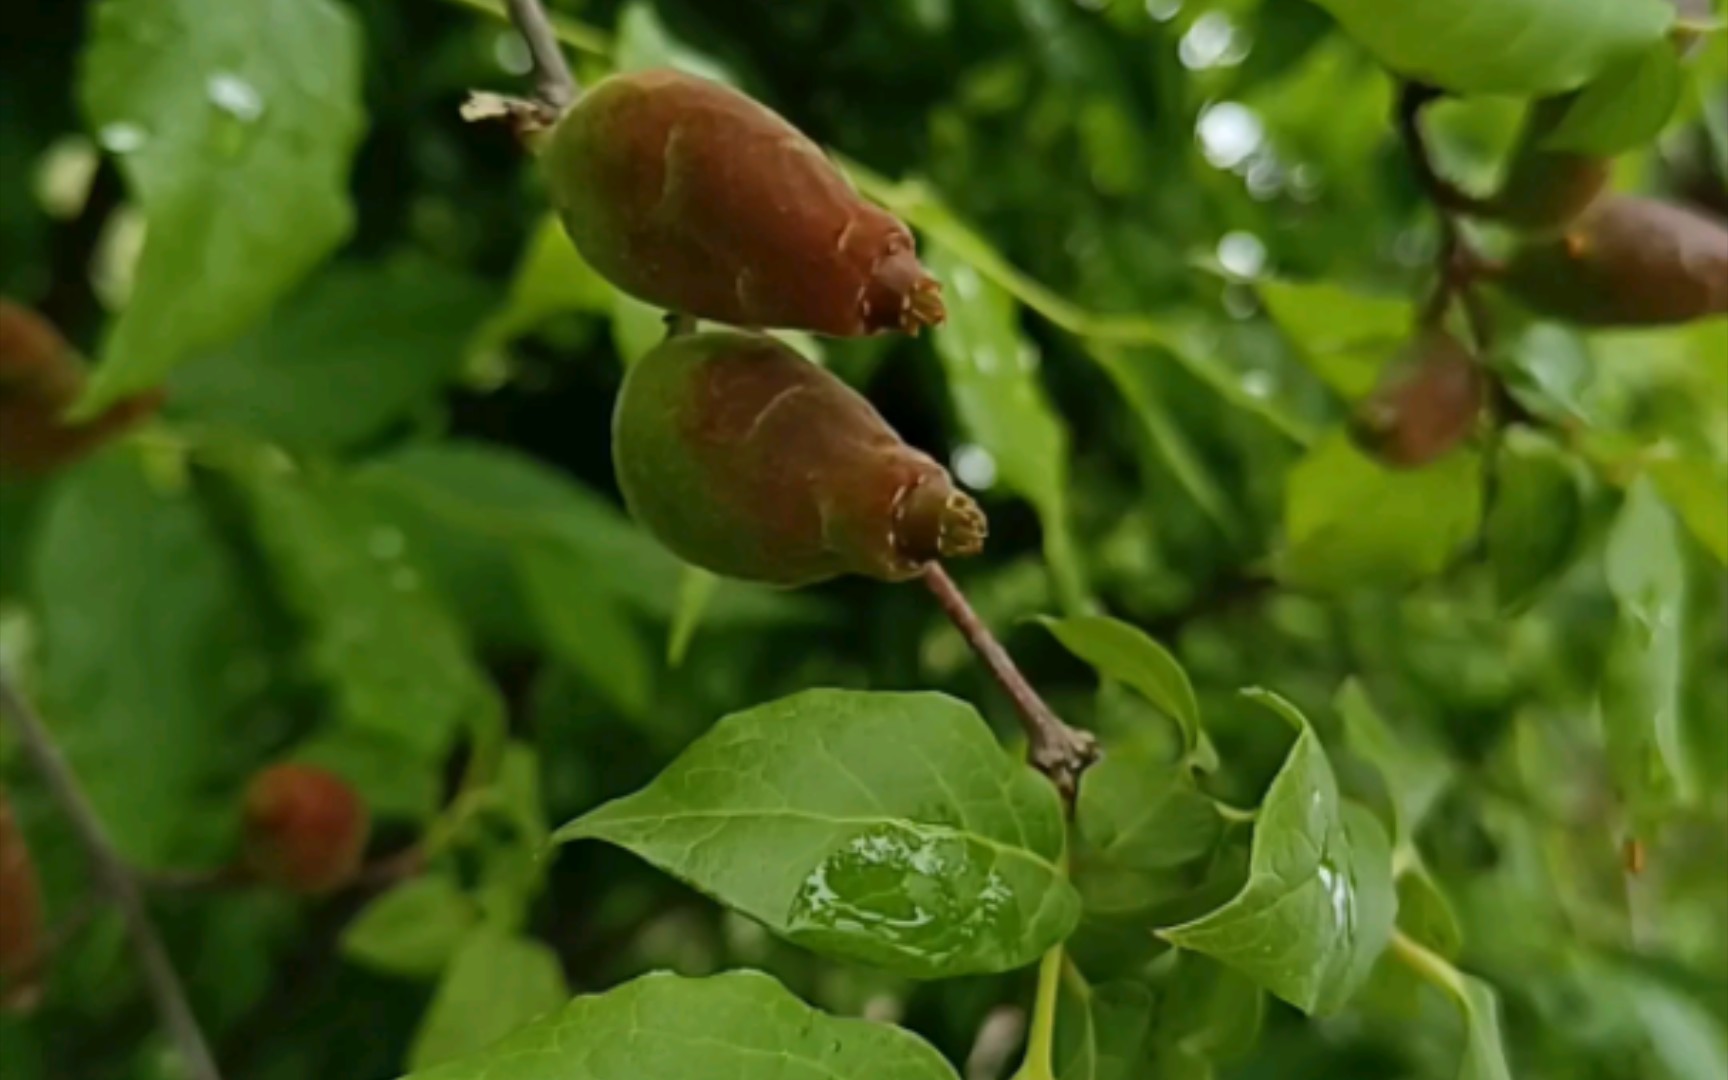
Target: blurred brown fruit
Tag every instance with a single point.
(1544, 190)
(1425, 406)
(305, 829)
(21, 929)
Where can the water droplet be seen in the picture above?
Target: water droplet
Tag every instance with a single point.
(385, 543)
(1163, 10)
(1343, 897)
(904, 895)
(1212, 42)
(122, 137)
(975, 466)
(1229, 132)
(1242, 253)
(234, 96)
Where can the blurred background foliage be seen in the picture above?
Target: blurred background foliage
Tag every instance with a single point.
(1178, 238)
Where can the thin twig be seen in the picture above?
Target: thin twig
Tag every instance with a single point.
(115, 881)
(553, 82)
(1058, 751)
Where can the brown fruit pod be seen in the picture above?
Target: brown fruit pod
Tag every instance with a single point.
(1628, 262)
(1545, 190)
(40, 377)
(695, 198)
(748, 460)
(1425, 406)
(22, 933)
(305, 829)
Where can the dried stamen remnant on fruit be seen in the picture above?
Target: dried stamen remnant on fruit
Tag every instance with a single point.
(1628, 262)
(1425, 406)
(1544, 190)
(748, 460)
(21, 929)
(691, 196)
(40, 377)
(305, 829)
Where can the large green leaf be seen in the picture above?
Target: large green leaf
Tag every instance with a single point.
(1417, 772)
(415, 929)
(729, 1027)
(234, 124)
(395, 661)
(1127, 654)
(146, 640)
(887, 828)
(993, 380)
(1626, 107)
(1642, 682)
(1536, 525)
(1319, 905)
(1141, 814)
(495, 984)
(1351, 523)
(359, 347)
(585, 626)
(1344, 335)
(1503, 46)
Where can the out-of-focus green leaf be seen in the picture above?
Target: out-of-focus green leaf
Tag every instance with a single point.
(1103, 1032)
(886, 828)
(644, 42)
(412, 930)
(1503, 46)
(636, 327)
(1698, 492)
(1129, 655)
(1625, 107)
(1319, 904)
(1212, 1014)
(375, 764)
(234, 125)
(993, 380)
(695, 592)
(1536, 525)
(394, 660)
(146, 645)
(1426, 914)
(1351, 523)
(495, 984)
(359, 347)
(1641, 684)
(551, 279)
(1416, 771)
(585, 626)
(663, 1027)
(1345, 336)
(1138, 813)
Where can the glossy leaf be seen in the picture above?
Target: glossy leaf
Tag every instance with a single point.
(414, 929)
(1536, 525)
(886, 828)
(1352, 524)
(1319, 904)
(359, 348)
(1127, 654)
(992, 375)
(1503, 46)
(1625, 107)
(236, 143)
(663, 1027)
(495, 984)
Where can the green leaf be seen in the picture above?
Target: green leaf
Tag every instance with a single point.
(1212, 1013)
(636, 327)
(1642, 682)
(584, 625)
(886, 828)
(1625, 107)
(992, 375)
(695, 593)
(1417, 773)
(1138, 813)
(412, 930)
(1350, 523)
(234, 125)
(1103, 1032)
(728, 1027)
(394, 660)
(358, 348)
(1698, 492)
(1318, 907)
(551, 279)
(1503, 46)
(644, 42)
(1484, 1052)
(1129, 655)
(495, 984)
(1536, 526)
(1344, 335)
(1426, 914)
(374, 764)
(147, 648)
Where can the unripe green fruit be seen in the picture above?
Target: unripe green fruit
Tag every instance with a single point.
(40, 377)
(748, 460)
(695, 198)
(1425, 406)
(1544, 190)
(1629, 262)
(21, 924)
(305, 829)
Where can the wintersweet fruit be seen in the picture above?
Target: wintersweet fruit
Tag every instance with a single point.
(305, 829)
(748, 460)
(696, 198)
(1425, 406)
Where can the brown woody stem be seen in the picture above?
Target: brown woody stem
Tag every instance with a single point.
(115, 881)
(1458, 266)
(1058, 751)
(554, 85)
